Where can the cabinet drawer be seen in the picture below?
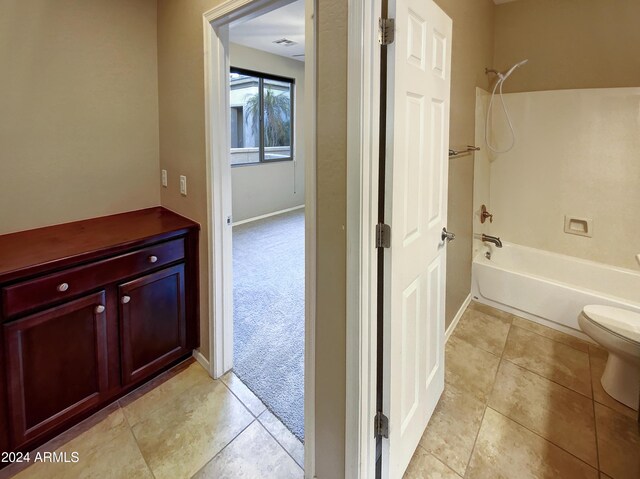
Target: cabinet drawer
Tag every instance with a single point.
(32, 294)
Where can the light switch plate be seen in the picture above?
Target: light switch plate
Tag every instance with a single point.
(164, 178)
(183, 185)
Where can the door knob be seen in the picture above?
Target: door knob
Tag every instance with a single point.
(100, 309)
(125, 299)
(446, 236)
(153, 259)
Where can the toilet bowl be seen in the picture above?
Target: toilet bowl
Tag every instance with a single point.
(618, 331)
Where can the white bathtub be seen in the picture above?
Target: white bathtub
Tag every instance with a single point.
(550, 288)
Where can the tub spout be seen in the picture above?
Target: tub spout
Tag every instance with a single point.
(492, 239)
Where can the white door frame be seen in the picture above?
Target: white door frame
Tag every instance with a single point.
(220, 293)
(363, 113)
(362, 198)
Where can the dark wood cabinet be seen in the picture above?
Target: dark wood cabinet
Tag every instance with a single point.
(88, 311)
(56, 365)
(153, 322)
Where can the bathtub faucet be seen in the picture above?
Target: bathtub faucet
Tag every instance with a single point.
(492, 239)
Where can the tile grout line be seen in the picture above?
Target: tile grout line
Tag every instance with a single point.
(238, 397)
(213, 381)
(258, 418)
(549, 379)
(595, 422)
(541, 335)
(276, 439)
(553, 381)
(592, 399)
(544, 439)
(597, 468)
(225, 446)
(135, 439)
(552, 339)
(486, 404)
(439, 460)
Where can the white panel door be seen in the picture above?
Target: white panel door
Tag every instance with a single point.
(419, 68)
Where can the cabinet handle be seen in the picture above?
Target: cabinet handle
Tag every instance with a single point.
(153, 259)
(125, 299)
(100, 309)
(62, 287)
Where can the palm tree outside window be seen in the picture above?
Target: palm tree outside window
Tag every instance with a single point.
(261, 117)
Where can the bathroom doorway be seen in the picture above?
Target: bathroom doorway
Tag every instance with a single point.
(263, 208)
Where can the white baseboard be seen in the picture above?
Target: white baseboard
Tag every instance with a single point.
(456, 318)
(204, 362)
(256, 218)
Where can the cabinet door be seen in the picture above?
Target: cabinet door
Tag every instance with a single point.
(152, 310)
(56, 365)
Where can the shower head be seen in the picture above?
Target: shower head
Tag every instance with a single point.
(504, 76)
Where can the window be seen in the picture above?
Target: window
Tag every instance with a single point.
(261, 117)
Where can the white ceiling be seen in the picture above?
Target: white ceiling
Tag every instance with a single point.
(260, 32)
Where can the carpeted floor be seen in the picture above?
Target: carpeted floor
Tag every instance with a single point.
(268, 297)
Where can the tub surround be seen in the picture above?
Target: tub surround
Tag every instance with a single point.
(576, 155)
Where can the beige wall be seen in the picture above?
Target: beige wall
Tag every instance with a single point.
(182, 131)
(576, 155)
(182, 151)
(78, 110)
(569, 43)
(268, 187)
(472, 52)
(331, 238)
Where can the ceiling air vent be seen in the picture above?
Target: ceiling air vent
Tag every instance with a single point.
(285, 42)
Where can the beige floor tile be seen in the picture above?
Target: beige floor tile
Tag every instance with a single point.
(483, 331)
(559, 336)
(453, 428)
(243, 393)
(179, 438)
(470, 369)
(595, 350)
(598, 360)
(105, 417)
(506, 450)
(285, 438)
(618, 444)
(556, 413)
(496, 313)
(163, 390)
(107, 450)
(425, 466)
(253, 454)
(551, 359)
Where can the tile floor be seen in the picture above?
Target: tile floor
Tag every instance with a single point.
(524, 401)
(180, 425)
(520, 401)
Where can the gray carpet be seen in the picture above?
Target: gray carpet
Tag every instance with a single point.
(268, 309)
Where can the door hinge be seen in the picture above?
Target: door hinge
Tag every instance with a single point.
(383, 235)
(381, 425)
(386, 30)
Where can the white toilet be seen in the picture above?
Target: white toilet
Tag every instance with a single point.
(618, 331)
